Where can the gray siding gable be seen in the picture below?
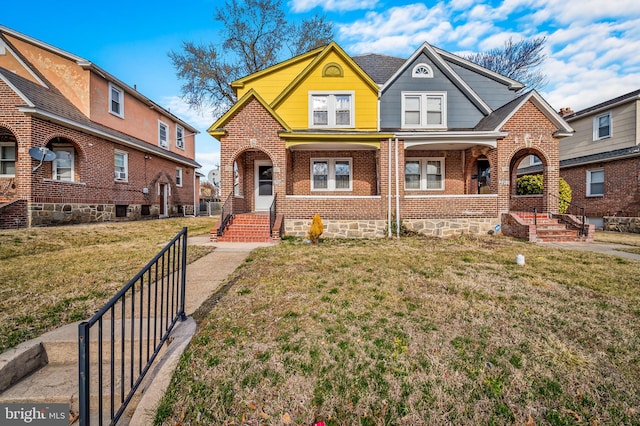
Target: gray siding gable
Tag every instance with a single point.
(495, 94)
(461, 112)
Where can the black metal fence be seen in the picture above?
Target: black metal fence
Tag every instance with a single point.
(118, 345)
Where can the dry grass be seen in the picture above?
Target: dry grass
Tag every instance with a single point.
(416, 332)
(53, 276)
(618, 238)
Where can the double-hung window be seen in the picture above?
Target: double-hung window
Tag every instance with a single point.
(331, 109)
(163, 135)
(424, 174)
(179, 137)
(595, 182)
(424, 110)
(178, 176)
(116, 101)
(7, 159)
(331, 174)
(63, 163)
(121, 166)
(602, 126)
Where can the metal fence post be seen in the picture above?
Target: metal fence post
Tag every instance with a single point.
(83, 373)
(183, 275)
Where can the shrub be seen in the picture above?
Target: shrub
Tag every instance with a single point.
(316, 229)
(533, 184)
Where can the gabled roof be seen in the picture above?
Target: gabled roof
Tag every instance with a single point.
(497, 119)
(458, 81)
(51, 105)
(328, 49)
(216, 129)
(629, 97)
(88, 65)
(379, 67)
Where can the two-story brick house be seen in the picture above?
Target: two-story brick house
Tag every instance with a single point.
(367, 141)
(77, 145)
(601, 161)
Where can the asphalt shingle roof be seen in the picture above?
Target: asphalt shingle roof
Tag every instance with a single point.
(379, 67)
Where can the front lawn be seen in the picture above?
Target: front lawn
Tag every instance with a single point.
(415, 332)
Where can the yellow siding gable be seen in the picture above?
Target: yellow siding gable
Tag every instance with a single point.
(271, 84)
(294, 108)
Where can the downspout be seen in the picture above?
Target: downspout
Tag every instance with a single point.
(389, 190)
(397, 194)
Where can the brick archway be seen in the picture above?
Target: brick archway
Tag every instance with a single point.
(548, 201)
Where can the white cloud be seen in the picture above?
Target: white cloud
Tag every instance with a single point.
(208, 160)
(299, 6)
(198, 119)
(568, 12)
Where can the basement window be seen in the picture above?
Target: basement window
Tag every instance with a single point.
(121, 210)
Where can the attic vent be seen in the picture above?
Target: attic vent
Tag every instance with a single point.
(332, 70)
(422, 71)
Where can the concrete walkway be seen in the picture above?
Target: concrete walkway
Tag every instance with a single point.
(204, 277)
(597, 247)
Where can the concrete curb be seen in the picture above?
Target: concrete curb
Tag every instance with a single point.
(160, 377)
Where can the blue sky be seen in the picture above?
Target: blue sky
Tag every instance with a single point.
(592, 49)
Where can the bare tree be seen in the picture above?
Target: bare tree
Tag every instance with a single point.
(255, 32)
(517, 60)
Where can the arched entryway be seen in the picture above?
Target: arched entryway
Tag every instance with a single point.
(66, 165)
(535, 162)
(252, 178)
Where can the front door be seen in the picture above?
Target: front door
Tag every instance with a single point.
(163, 200)
(263, 185)
(484, 176)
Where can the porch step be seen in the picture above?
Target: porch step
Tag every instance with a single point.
(543, 228)
(248, 228)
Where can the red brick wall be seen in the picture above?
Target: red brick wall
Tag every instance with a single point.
(14, 215)
(621, 188)
(365, 208)
(483, 206)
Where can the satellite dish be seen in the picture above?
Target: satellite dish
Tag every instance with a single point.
(214, 177)
(41, 154)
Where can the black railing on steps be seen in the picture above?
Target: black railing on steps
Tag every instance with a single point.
(580, 212)
(118, 345)
(272, 214)
(227, 214)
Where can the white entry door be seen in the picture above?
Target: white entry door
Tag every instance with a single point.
(263, 185)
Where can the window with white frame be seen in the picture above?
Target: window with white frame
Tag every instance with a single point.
(116, 101)
(62, 165)
(179, 137)
(424, 173)
(602, 126)
(331, 174)
(331, 109)
(534, 160)
(424, 110)
(163, 135)
(178, 176)
(422, 71)
(7, 159)
(595, 182)
(121, 166)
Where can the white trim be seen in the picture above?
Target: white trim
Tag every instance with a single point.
(166, 145)
(54, 168)
(262, 202)
(424, 96)
(4, 46)
(180, 138)
(331, 108)
(423, 164)
(427, 74)
(331, 174)
(588, 188)
(15, 158)
(180, 175)
(453, 196)
(334, 197)
(117, 176)
(114, 88)
(596, 126)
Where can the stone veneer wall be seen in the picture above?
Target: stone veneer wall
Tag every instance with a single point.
(48, 214)
(621, 224)
(378, 228)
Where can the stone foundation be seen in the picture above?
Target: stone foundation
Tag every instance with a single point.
(52, 214)
(621, 224)
(378, 228)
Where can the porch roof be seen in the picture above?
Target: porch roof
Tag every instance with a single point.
(454, 140)
(338, 140)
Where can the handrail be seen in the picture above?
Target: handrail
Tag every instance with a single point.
(272, 214)
(227, 214)
(580, 208)
(131, 330)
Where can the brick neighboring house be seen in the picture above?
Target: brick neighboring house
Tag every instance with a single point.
(115, 154)
(432, 140)
(601, 161)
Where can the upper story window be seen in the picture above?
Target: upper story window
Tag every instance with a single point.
(595, 182)
(422, 71)
(424, 110)
(7, 159)
(178, 176)
(163, 135)
(121, 166)
(424, 173)
(63, 163)
(331, 174)
(116, 101)
(602, 126)
(179, 137)
(331, 109)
